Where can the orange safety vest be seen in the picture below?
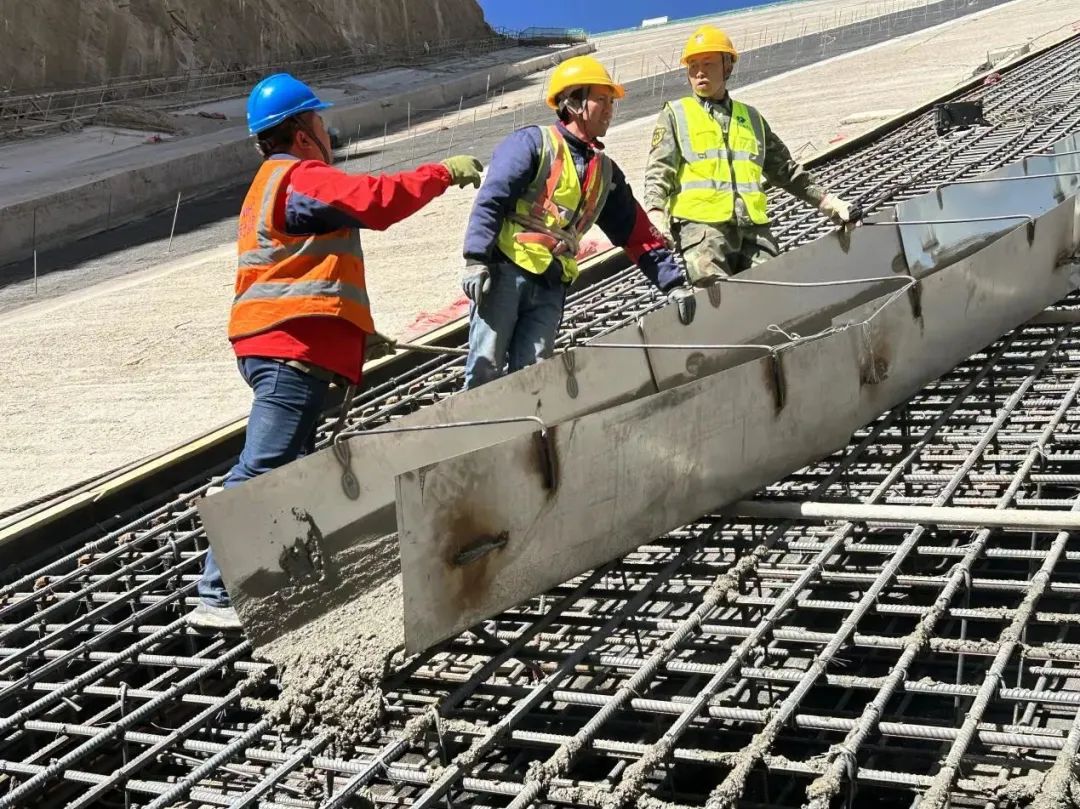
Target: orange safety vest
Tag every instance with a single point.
(280, 277)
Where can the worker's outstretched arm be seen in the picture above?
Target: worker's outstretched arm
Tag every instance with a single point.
(782, 170)
(512, 169)
(662, 168)
(626, 224)
(321, 198)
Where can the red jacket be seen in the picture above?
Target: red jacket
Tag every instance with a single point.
(320, 199)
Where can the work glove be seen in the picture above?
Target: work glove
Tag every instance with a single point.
(377, 345)
(662, 222)
(476, 283)
(464, 170)
(685, 303)
(840, 212)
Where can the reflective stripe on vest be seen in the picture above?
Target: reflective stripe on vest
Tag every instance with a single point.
(554, 212)
(303, 289)
(715, 169)
(281, 277)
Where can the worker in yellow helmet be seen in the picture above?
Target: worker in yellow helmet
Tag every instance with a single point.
(545, 187)
(709, 158)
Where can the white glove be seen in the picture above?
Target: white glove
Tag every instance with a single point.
(840, 212)
(662, 222)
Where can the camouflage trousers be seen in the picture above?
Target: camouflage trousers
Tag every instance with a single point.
(718, 251)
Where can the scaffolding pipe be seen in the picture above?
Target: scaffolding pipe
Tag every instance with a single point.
(1039, 520)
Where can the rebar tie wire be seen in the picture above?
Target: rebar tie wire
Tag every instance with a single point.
(723, 584)
(91, 548)
(563, 757)
(149, 755)
(937, 795)
(730, 790)
(821, 791)
(307, 751)
(98, 638)
(120, 601)
(57, 768)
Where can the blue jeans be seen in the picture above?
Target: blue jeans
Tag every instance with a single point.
(280, 429)
(514, 326)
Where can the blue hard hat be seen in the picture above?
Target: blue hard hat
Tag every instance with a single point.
(278, 97)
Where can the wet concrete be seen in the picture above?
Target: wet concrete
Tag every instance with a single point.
(339, 566)
(330, 671)
(1058, 789)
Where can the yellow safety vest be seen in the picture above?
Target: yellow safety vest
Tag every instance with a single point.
(549, 219)
(714, 170)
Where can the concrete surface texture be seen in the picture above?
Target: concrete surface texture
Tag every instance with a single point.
(53, 44)
(639, 54)
(634, 54)
(34, 167)
(100, 377)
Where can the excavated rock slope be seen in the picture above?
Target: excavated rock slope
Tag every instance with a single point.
(56, 44)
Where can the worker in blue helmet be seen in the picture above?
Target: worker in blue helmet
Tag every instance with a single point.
(280, 98)
(301, 319)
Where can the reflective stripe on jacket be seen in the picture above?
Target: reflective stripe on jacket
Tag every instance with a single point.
(280, 277)
(714, 168)
(549, 219)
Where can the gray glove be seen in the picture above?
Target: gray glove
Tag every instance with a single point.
(685, 303)
(476, 283)
(377, 346)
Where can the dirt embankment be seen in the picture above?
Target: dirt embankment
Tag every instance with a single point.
(57, 44)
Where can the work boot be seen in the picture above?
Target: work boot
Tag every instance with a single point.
(214, 619)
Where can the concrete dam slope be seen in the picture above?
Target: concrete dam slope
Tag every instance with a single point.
(58, 44)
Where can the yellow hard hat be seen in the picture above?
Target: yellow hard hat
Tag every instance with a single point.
(708, 39)
(578, 71)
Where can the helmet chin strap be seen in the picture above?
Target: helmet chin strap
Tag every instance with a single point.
(307, 130)
(578, 108)
(573, 105)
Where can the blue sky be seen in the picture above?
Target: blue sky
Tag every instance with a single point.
(597, 15)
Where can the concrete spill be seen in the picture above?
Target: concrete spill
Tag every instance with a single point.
(1021, 791)
(331, 669)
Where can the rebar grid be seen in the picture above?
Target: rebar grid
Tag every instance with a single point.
(749, 662)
